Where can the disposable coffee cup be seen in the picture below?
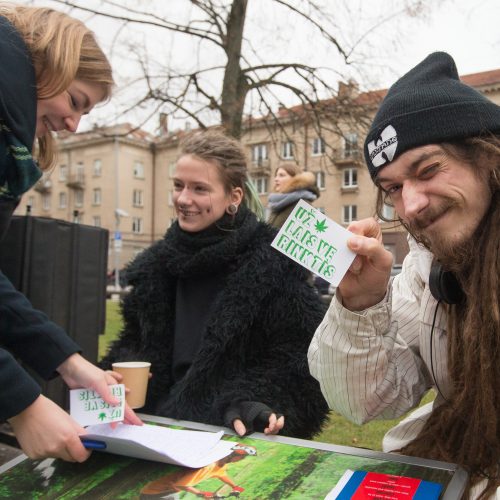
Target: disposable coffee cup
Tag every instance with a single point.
(135, 377)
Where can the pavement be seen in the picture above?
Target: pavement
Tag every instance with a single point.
(8, 444)
(8, 453)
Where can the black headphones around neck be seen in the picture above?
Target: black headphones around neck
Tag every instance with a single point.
(444, 285)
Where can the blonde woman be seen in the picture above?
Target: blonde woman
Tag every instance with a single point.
(52, 73)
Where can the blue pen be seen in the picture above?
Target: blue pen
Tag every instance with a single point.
(91, 444)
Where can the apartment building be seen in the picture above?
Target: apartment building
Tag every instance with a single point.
(120, 178)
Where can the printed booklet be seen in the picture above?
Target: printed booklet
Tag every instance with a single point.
(362, 485)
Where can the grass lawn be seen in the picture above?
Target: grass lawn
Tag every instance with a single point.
(338, 430)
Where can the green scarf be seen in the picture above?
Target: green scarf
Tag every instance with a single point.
(18, 170)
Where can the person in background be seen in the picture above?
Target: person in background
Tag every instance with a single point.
(52, 73)
(224, 319)
(291, 185)
(433, 151)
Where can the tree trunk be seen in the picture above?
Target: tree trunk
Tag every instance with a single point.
(235, 87)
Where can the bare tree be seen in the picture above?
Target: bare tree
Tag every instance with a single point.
(244, 73)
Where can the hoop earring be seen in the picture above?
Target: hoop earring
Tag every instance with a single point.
(232, 209)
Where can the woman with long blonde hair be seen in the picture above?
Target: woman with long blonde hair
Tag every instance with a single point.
(53, 72)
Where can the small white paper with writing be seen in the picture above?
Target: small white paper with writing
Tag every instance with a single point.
(154, 442)
(88, 408)
(316, 242)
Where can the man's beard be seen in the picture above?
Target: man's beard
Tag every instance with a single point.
(454, 254)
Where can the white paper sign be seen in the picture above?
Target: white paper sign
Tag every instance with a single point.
(316, 242)
(87, 407)
(154, 442)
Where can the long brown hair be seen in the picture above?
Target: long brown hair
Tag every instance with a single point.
(465, 429)
(62, 49)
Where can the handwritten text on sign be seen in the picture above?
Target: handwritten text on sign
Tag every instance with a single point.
(87, 407)
(315, 242)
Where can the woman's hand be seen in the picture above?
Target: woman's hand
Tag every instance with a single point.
(365, 283)
(77, 372)
(247, 416)
(275, 424)
(44, 429)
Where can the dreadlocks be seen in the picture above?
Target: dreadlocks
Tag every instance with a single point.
(465, 429)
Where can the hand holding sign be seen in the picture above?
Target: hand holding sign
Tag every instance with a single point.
(87, 407)
(316, 242)
(366, 282)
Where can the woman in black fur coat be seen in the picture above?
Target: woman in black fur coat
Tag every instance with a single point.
(224, 319)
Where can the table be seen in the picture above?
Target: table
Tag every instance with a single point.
(282, 467)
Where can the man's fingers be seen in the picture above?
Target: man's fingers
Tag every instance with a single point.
(370, 248)
(366, 227)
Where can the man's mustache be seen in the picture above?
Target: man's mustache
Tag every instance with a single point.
(431, 214)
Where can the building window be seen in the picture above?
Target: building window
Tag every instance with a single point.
(137, 198)
(259, 153)
(79, 198)
(287, 150)
(137, 225)
(138, 170)
(97, 171)
(96, 219)
(351, 149)
(350, 178)
(80, 172)
(31, 201)
(349, 213)
(63, 200)
(46, 201)
(320, 180)
(96, 198)
(260, 184)
(318, 147)
(63, 172)
(171, 168)
(388, 212)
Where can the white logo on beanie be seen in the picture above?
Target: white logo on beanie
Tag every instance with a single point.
(382, 149)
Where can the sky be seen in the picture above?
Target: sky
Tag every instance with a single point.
(467, 29)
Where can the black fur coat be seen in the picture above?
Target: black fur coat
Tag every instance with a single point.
(255, 344)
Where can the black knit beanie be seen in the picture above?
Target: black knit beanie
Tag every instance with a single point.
(428, 105)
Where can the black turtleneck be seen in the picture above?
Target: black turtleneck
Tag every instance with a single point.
(193, 302)
(198, 283)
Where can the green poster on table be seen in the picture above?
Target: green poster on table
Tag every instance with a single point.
(258, 468)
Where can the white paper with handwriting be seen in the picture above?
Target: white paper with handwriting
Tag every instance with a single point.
(153, 442)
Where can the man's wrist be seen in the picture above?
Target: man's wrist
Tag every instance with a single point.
(358, 304)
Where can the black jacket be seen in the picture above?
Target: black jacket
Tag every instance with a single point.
(255, 344)
(25, 332)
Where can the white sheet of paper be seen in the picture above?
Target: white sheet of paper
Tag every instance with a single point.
(87, 407)
(316, 242)
(154, 442)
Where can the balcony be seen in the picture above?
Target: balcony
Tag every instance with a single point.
(43, 186)
(348, 157)
(261, 166)
(76, 181)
